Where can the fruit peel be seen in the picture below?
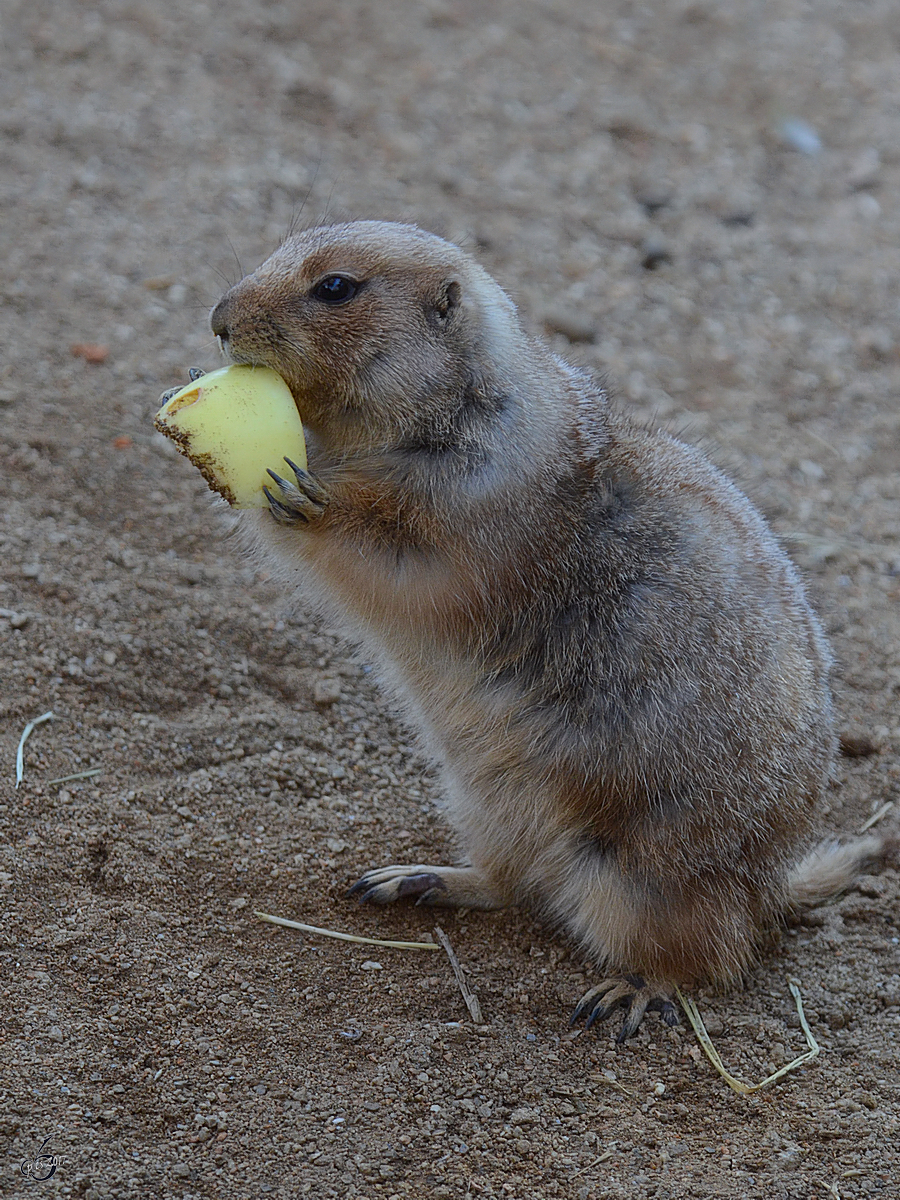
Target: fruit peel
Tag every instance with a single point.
(233, 424)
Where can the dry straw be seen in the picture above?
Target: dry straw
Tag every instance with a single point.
(20, 752)
(345, 937)
(747, 1089)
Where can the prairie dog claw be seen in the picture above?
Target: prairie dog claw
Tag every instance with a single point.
(297, 503)
(633, 994)
(444, 887)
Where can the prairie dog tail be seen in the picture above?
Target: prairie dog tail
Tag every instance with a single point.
(832, 868)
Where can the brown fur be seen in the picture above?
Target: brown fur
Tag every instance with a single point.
(601, 643)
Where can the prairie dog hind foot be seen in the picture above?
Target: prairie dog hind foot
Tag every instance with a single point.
(631, 992)
(442, 887)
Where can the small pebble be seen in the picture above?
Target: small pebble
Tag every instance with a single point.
(654, 253)
(326, 691)
(800, 136)
(572, 324)
(189, 572)
(865, 170)
(867, 205)
(652, 199)
(857, 744)
(91, 352)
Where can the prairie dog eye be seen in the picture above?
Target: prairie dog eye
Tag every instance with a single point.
(335, 289)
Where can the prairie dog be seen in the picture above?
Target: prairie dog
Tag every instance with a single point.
(599, 640)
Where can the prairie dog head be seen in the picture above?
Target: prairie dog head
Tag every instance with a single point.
(385, 334)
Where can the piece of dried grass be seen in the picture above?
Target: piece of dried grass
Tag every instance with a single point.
(345, 937)
(467, 994)
(78, 775)
(876, 817)
(26, 733)
(746, 1089)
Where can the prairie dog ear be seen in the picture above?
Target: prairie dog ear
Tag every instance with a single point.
(448, 299)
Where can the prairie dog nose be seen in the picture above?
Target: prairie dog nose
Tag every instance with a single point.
(219, 319)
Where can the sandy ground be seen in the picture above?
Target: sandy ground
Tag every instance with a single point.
(626, 171)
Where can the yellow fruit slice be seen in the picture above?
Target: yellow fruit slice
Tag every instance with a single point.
(233, 424)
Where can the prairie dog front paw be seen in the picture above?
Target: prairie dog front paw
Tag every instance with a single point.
(298, 503)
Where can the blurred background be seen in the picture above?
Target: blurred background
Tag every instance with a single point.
(699, 193)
